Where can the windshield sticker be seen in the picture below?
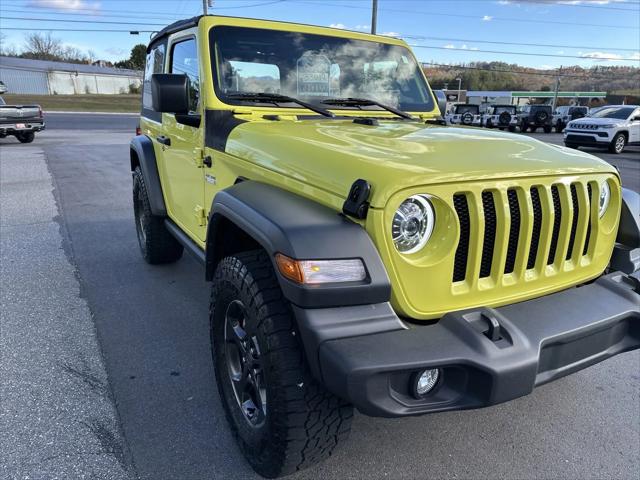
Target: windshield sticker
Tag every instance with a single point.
(313, 71)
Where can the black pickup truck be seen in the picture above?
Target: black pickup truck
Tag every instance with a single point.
(22, 121)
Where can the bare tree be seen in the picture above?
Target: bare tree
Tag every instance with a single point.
(42, 46)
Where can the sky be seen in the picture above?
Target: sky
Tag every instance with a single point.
(566, 32)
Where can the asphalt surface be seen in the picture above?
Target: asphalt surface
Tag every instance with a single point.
(151, 323)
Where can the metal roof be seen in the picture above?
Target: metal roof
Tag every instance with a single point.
(48, 66)
(532, 94)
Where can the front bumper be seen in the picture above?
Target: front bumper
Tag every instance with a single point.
(595, 138)
(534, 342)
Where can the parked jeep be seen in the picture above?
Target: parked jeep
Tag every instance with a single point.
(533, 117)
(501, 116)
(359, 255)
(464, 114)
(563, 115)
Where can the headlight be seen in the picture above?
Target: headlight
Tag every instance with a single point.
(607, 126)
(605, 195)
(412, 224)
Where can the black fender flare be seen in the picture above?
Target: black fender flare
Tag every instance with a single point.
(283, 222)
(143, 155)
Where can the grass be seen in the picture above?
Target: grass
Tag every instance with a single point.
(78, 103)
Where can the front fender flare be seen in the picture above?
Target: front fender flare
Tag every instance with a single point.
(282, 222)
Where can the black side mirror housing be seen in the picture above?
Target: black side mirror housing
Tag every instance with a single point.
(170, 93)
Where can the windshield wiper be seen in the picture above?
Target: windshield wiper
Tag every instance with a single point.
(276, 98)
(364, 102)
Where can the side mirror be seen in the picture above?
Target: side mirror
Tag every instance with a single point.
(170, 93)
(636, 119)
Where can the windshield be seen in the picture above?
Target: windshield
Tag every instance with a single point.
(460, 109)
(499, 110)
(314, 68)
(620, 113)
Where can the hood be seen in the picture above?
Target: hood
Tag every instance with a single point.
(331, 154)
(596, 121)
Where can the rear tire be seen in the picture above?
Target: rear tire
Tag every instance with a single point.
(26, 137)
(157, 245)
(512, 129)
(281, 417)
(618, 143)
(547, 129)
(559, 127)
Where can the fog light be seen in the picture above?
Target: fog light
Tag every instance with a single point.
(425, 381)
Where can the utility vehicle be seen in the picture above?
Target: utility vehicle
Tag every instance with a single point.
(612, 127)
(359, 254)
(503, 117)
(533, 117)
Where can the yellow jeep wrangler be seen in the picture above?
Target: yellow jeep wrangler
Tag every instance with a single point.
(359, 253)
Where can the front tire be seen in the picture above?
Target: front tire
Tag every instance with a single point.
(281, 417)
(618, 143)
(157, 245)
(26, 137)
(547, 129)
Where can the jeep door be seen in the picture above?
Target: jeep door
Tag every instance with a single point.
(182, 148)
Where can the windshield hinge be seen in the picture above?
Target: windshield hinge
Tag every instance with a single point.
(356, 204)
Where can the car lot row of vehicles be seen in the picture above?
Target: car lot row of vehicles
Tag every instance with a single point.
(612, 127)
(509, 117)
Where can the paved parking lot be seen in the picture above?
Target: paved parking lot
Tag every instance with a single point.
(151, 327)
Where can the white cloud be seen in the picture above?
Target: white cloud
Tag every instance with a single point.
(341, 26)
(69, 5)
(487, 18)
(601, 56)
(560, 2)
(364, 28)
(390, 34)
(449, 45)
(464, 46)
(635, 56)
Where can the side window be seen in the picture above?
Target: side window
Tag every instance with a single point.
(154, 64)
(184, 59)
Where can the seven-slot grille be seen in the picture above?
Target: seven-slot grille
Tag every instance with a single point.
(520, 229)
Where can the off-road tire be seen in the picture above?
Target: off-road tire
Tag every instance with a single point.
(303, 422)
(157, 245)
(618, 143)
(559, 127)
(547, 129)
(26, 137)
(512, 129)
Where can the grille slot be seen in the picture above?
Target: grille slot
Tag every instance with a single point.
(557, 220)
(588, 237)
(490, 225)
(537, 225)
(514, 231)
(574, 221)
(462, 252)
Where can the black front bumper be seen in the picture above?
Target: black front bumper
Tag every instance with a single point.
(534, 342)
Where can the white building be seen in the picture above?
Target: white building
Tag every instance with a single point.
(39, 77)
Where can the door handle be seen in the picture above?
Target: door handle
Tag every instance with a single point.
(164, 140)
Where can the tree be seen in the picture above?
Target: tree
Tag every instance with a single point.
(42, 46)
(138, 56)
(136, 60)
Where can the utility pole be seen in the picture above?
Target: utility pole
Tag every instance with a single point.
(205, 5)
(555, 94)
(374, 16)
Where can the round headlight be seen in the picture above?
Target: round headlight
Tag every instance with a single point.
(605, 195)
(412, 224)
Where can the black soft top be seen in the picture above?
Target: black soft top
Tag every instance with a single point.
(174, 27)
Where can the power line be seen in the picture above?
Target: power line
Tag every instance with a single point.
(530, 54)
(84, 21)
(79, 30)
(476, 17)
(468, 40)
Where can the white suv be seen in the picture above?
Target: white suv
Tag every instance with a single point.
(563, 115)
(464, 114)
(612, 127)
(501, 116)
